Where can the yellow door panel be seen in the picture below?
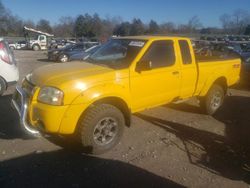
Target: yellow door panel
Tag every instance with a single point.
(160, 83)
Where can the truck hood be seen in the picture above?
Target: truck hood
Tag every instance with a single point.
(58, 74)
(76, 77)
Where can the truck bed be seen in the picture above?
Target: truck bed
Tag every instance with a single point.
(213, 67)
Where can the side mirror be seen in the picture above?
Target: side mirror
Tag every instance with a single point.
(143, 65)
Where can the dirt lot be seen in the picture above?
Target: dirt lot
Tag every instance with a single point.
(169, 146)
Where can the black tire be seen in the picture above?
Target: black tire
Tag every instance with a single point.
(12, 48)
(3, 86)
(36, 47)
(63, 58)
(106, 117)
(213, 100)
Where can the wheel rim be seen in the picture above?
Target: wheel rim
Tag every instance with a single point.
(105, 131)
(216, 100)
(64, 58)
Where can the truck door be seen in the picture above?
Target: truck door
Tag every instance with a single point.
(42, 41)
(189, 74)
(156, 78)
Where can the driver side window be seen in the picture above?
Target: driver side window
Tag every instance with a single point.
(42, 38)
(160, 54)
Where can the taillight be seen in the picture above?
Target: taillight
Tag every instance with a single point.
(4, 54)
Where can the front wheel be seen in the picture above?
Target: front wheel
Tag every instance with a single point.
(63, 58)
(36, 47)
(101, 128)
(213, 100)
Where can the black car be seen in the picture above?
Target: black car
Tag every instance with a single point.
(84, 55)
(63, 54)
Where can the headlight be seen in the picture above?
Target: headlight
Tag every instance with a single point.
(55, 52)
(50, 95)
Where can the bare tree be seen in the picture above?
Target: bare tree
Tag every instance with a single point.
(194, 24)
(236, 22)
(240, 20)
(65, 27)
(44, 25)
(168, 27)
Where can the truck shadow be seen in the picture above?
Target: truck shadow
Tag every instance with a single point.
(228, 155)
(243, 85)
(9, 121)
(185, 107)
(67, 169)
(44, 60)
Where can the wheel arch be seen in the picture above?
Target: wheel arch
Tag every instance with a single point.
(118, 103)
(222, 81)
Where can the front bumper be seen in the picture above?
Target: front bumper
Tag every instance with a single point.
(38, 118)
(53, 57)
(21, 106)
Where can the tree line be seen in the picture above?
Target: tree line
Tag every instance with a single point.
(93, 26)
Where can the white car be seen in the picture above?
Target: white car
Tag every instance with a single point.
(18, 45)
(9, 74)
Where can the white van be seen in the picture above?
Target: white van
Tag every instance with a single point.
(9, 74)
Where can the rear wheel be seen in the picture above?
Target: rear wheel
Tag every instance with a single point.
(213, 100)
(101, 128)
(12, 47)
(3, 86)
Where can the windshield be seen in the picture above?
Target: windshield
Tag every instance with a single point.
(117, 53)
(35, 37)
(68, 46)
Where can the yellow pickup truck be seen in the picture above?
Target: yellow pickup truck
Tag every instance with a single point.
(94, 99)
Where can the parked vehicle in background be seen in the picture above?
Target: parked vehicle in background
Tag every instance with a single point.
(94, 100)
(60, 43)
(242, 49)
(18, 45)
(85, 54)
(63, 54)
(40, 41)
(9, 74)
(73, 41)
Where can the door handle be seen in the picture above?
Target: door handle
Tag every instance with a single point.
(175, 72)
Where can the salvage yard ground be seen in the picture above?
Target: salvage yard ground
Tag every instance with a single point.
(173, 145)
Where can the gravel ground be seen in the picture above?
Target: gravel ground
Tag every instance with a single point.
(168, 146)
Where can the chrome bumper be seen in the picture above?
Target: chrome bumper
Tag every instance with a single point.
(22, 110)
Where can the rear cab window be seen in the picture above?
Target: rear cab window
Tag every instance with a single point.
(185, 52)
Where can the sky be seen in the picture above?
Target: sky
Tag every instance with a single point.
(177, 11)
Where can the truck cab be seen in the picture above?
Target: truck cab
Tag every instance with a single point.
(38, 43)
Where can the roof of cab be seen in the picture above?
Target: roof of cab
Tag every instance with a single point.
(151, 37)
